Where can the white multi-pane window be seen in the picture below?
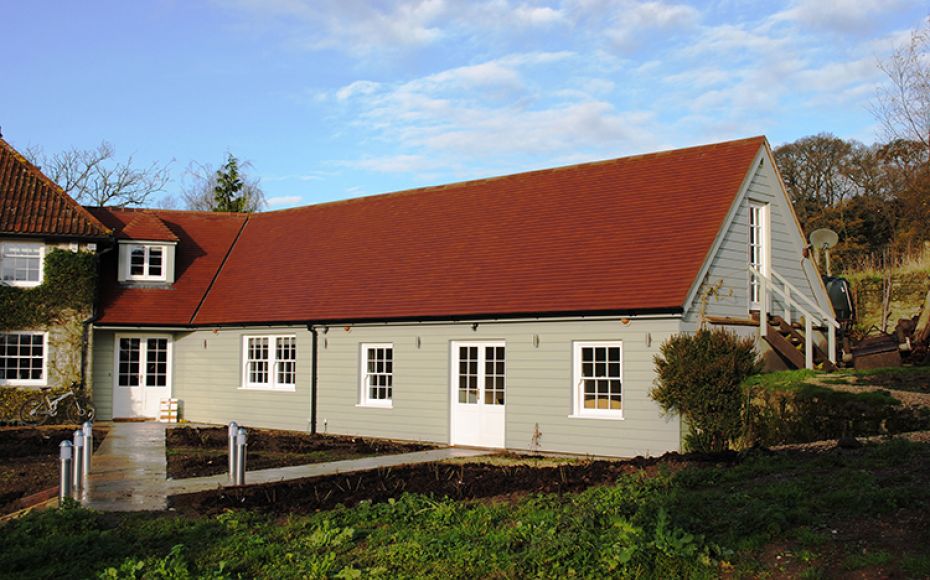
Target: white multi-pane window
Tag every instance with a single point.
(143, 362)
(270, 362)
(21, 263)
(145, 262)
(377, 374)
(481, 374)
(598, 379)
(757, 248)
(23, 358)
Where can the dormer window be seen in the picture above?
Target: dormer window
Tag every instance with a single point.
(146, 262)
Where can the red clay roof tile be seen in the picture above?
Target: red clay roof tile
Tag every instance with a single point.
(624, 235)
(204, 238)
(146, 226)
(32, 204)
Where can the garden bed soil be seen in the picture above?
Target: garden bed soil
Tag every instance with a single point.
(202, 451)
(463, 481)
(29, 460)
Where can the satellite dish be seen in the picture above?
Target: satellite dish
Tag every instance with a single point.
(824, 239)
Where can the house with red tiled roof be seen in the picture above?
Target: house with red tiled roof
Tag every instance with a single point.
(41, 343)
(519, 312)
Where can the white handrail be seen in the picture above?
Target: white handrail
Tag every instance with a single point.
(826, 316)
(824, 319)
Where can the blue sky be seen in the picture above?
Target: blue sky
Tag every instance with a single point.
(332, 99)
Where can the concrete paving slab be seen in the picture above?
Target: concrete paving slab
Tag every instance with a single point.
(195, 484)
(128, 469)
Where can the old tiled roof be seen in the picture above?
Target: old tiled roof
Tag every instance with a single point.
(621, 236)
(625, 235)
(145, 225)
(31, 204)
(204, 238)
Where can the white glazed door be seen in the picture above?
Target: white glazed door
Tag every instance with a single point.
(142, 377)
(478, 393)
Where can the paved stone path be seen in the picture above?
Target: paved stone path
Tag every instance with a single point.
(129, 471)
(194, 484)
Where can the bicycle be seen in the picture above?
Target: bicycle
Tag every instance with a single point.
(74, 404)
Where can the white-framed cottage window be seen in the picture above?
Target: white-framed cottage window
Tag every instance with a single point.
(24, 358)
(269, 362)
(377, 374)
(758, 248)
(21, 263)
(146, 262)
(598, 379)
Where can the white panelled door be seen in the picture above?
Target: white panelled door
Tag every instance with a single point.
(142, 375)
(478, 393)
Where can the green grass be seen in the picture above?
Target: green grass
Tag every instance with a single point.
(670, 525)
(867, 560)
(782, 380)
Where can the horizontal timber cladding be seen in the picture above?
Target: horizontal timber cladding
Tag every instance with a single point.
(539, 389)
(208, 379)
(102, 374)
(729, 267)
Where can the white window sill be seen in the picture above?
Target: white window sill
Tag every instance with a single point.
(21, 284)
(288, 389)
(618, 417)
(375, 405)
(25, 383)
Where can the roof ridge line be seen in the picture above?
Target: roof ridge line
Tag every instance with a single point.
(440, 187)
(216, 275)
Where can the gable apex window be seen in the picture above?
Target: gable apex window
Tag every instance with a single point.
(21, 263)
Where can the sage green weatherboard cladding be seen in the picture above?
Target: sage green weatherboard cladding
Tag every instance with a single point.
(207, 378)
(539, 384)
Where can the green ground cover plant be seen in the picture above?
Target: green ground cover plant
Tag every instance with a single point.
(791, 407)
(697, 523)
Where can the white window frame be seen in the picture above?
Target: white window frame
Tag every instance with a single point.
(578, 409)
(272, 384)
(23, 283)
(143, 360)
(146, 277)
(30, 382)
(761, 223)
(364, 394)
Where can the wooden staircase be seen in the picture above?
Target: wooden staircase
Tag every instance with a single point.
(789, 341)
(794, 341)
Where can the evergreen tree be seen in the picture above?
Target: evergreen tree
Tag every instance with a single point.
(229, 192)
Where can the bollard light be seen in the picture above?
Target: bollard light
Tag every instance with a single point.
(65, 478)
(233, 433)
(85, 458)
(77, 462)
(241, 454)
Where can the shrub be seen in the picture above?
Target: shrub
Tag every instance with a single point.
(700, 378)
(781, 413)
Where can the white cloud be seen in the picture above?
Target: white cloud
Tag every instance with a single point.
(843, 16)
(284, 200)
(357, 88)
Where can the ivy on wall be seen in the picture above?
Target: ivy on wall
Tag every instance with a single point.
(60, 304)
(69, 285)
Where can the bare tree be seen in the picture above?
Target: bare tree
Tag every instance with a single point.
(201, 181)
(96, 177)
(903, 105)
